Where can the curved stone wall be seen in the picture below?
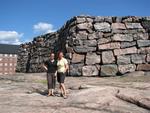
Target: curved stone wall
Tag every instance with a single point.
(94, 46)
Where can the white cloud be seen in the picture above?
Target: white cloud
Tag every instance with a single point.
(43, 27)
(10, 37)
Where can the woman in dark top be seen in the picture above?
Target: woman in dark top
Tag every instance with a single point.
(51, 67)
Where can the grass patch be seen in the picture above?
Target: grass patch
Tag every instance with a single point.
(41, 81)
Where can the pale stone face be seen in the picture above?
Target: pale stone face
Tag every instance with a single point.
(118, 26)
(122, 37)
(130, 50)
(104, 27)
(126, 68)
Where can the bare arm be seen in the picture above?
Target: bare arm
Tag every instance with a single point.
(45, 67)
(66, 66)
(55, 73)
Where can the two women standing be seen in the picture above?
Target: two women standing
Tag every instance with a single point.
(56, 68)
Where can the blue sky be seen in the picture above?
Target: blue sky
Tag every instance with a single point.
(21, 20)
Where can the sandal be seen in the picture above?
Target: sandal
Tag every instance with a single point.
(53, 95)
(50, 95)
(65, 96)
(61, 95)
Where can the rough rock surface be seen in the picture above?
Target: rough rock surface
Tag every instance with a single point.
(92, 40)
(26, 93)
(108, 57)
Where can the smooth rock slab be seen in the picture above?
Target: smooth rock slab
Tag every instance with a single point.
(103, 100)
(92, 58)
(135, 74)
(29, 96)
(140, 98)
(109, 70)
(90, 70)
(126, 68)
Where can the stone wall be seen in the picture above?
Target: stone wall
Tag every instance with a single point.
(94, 46)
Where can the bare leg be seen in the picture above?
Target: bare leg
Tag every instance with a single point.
(49, 92)
(52, 92)
(60, 87)
(64, 89)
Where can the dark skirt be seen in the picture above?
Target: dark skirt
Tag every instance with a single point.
(61, 77)
(51, 80)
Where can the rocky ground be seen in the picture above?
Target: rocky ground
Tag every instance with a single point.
(26, 93)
